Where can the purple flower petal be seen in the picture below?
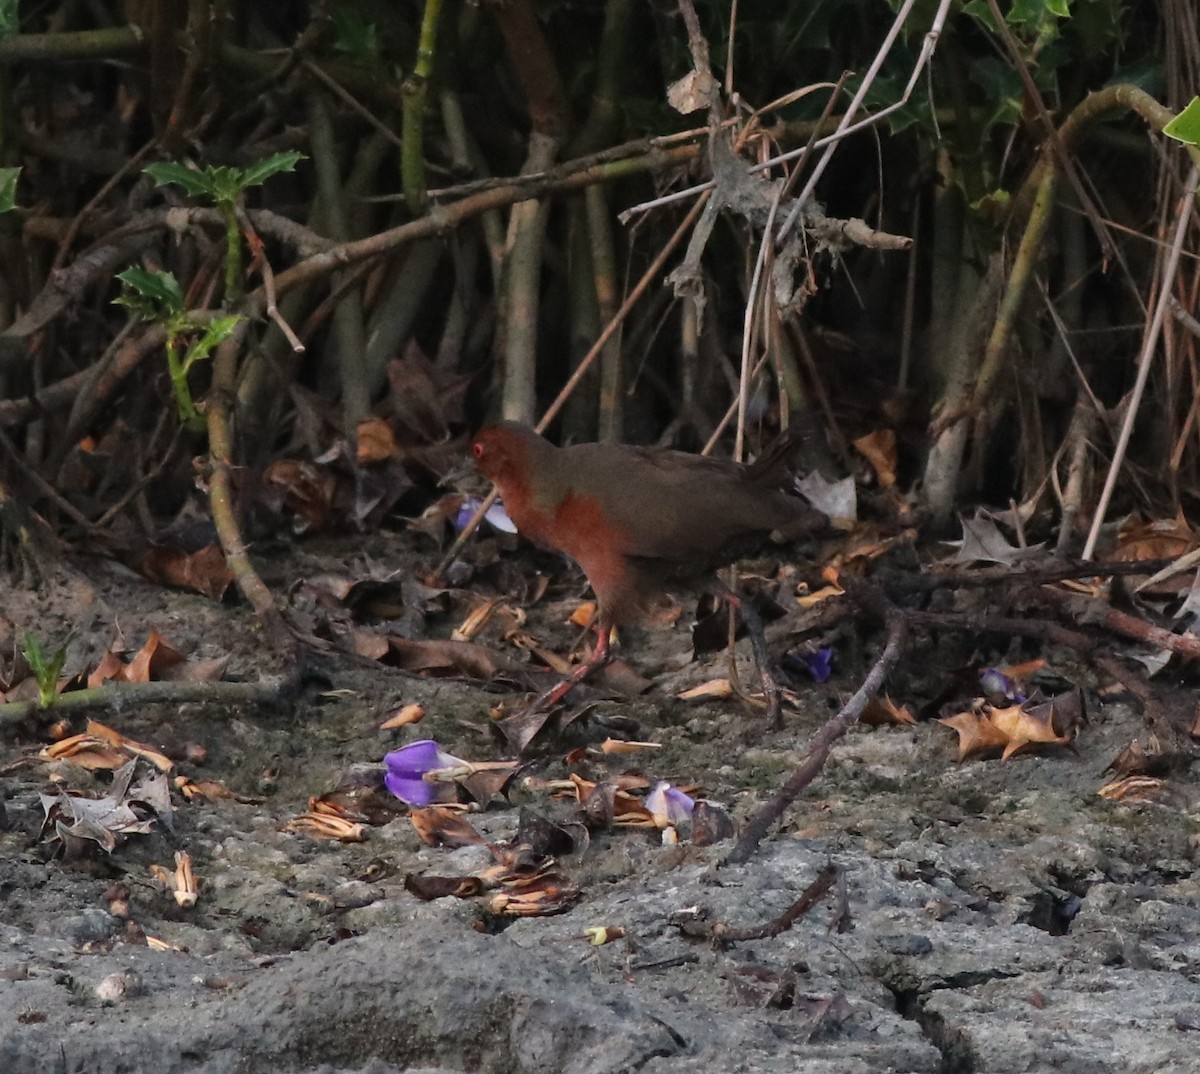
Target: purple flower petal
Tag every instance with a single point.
(668, 804)
(406, 768)
(496, 515)
(413, 792)
(996, 686)
(819, 664)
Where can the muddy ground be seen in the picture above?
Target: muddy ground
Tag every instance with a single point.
(993, 917)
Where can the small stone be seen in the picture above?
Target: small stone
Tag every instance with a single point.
(122, 985)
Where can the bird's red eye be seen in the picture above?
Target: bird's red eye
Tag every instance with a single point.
(477, 450)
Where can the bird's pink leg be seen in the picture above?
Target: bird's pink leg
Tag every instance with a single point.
(599, 657)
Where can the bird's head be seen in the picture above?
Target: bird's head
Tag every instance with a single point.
(503, 452)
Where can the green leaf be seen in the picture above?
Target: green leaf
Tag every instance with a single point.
(8, 189)
(1061, 8)
(194, 183)
(226, 183)
(1024, 11)
(46, 669)
(1185, 127)
(216, 332)
(159, 287)
(978, 9)
(353, 34)
(10, 23)
(259, 173)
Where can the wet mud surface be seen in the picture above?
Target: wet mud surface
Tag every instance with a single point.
(991, 917)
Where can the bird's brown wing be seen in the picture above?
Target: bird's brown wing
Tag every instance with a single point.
(678, 507)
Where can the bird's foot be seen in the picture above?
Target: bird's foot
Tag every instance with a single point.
(772, 694)
(559, 692)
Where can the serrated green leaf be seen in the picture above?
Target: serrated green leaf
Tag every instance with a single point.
(226, 182)
(8, 188)
(216, 332)
(259, 173)
(194, 183)
(1061, 8)
(160, 287)
(1185, 127)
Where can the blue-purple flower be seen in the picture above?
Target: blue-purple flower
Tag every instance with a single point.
(819, 664)
(999, 689)
(668, 804)
(496, 515)
(413, 773)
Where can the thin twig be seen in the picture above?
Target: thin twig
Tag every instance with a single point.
(106, 188)
(133, 695)
(1023, 627)
(42, 485)
(348, 99)
(722, 934)
(268, 274)
(1129, 626)
(822, 743)
(843, 131)
(898, 583)
(1145, 360)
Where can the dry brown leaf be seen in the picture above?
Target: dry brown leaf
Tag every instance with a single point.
(1166, 538)
(211, 669)
(324, 826)
(369, 644)
(1144, 789)
(203, 571)
(883, 711)
(1022, 671)
(438, 826)
(475, 621)
(806, 599)
(713, 690)
(976, 733)
(584, 615)
(428, 888)
(437, 657)
(374, 441)
(86, 751)
(414, 712)
(116, 739)
(151, 658)
(552, 660)
(302, 488)
(621, 746)
(184, 887)
(212, 790)
(879, 449)
(1024, 727)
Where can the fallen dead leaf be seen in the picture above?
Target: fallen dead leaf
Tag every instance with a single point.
(883, 711)
(713, 690)
(411, 713)
(475, 621)
(879, 449)
(584, 615)
(374, 441)
(324, 826)
(437, 657)
(438, 826)
(1011, 729)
